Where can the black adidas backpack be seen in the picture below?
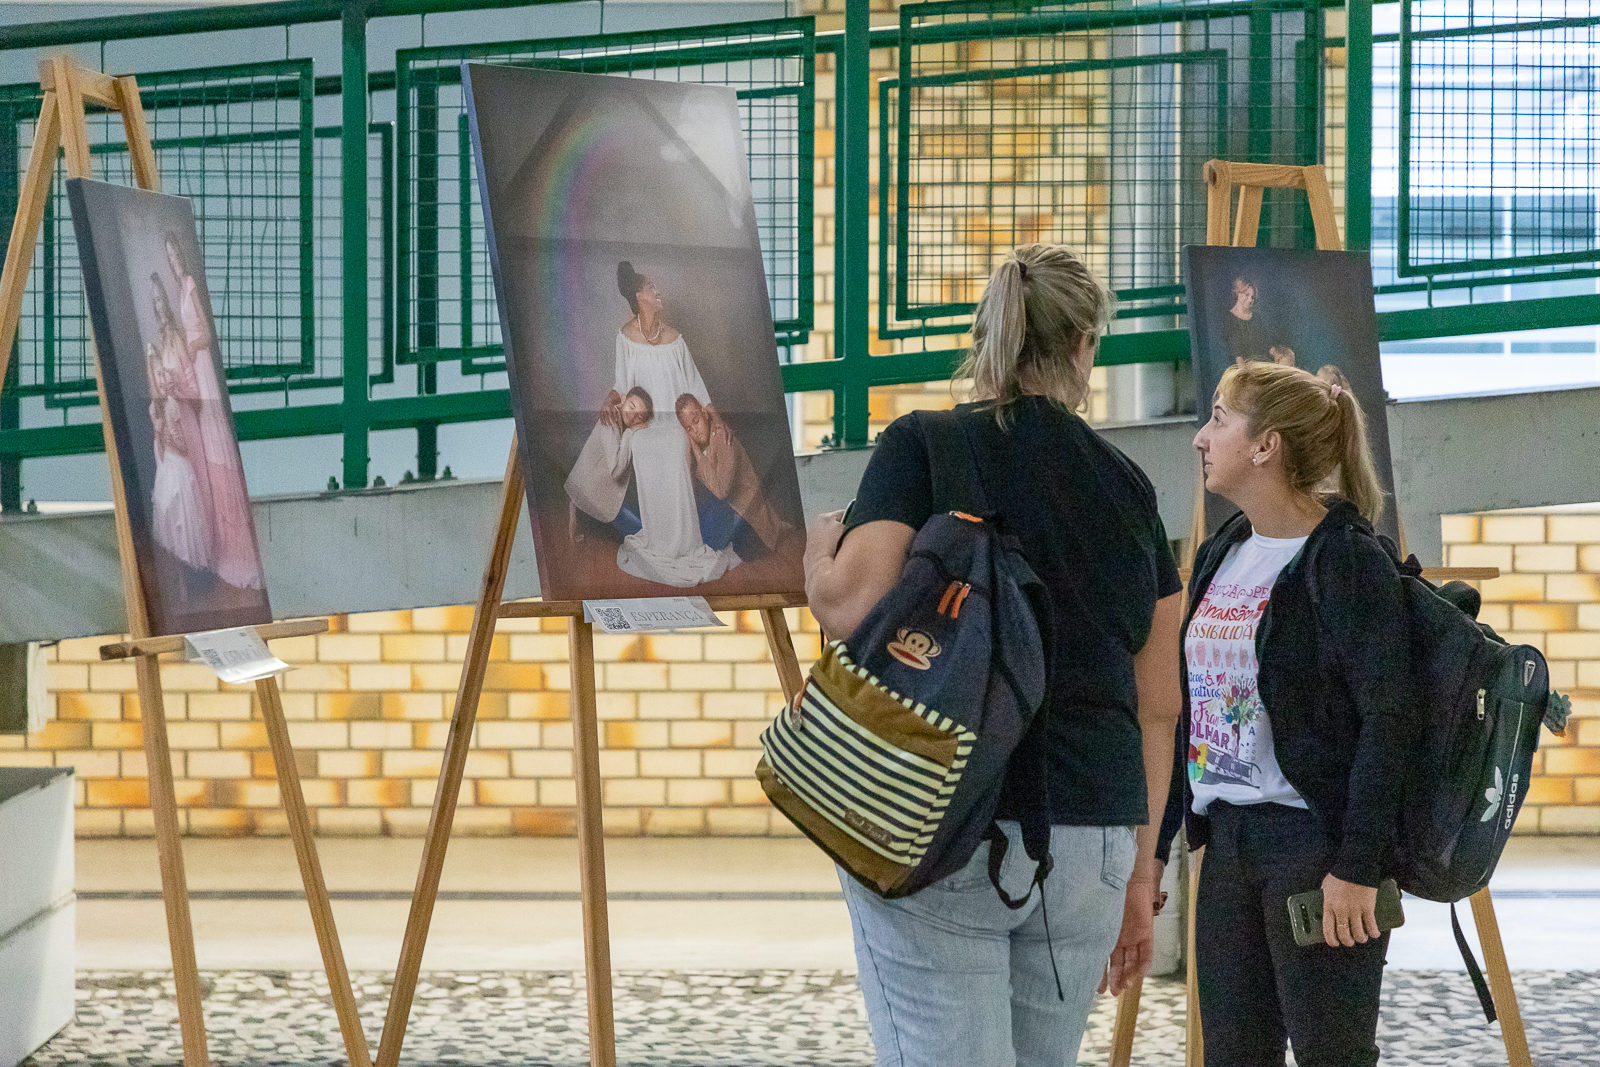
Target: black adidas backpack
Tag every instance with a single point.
(893, 756)
(1481, 702)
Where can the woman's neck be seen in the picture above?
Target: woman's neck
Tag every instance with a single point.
(649, 323)
(1278, 511)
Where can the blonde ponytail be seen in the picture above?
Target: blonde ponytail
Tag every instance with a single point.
(1039, 305)
(1320, 422)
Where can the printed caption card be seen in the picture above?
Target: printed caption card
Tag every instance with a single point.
(647, 614)
(237, 655)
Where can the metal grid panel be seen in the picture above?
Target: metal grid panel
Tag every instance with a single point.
(328, 271)
(238, 141)
(447, 307)
(1084, 124)
(1498, 135)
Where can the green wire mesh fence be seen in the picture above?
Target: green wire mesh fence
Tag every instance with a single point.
(447, 306)
(1011, 123)
(1498, 136)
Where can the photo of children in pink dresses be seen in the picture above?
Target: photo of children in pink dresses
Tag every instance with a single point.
(182, 476)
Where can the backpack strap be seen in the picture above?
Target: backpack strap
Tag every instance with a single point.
(956, 486)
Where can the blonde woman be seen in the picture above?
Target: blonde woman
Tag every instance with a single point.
(1291, 748)
(951, 975)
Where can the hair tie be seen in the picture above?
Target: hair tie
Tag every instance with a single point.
(1335, 390)
(1022, 268)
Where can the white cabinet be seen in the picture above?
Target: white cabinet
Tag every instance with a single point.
(37, 912)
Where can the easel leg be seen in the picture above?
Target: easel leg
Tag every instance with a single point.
(1195, 1042)
(305, 849)
(591, 846)
(1499, 975)
(781, 647)
(174, 885)
(426, 894)
(1127, 1021)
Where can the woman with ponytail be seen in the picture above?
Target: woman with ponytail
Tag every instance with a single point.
(950, 974)
(1290, 749)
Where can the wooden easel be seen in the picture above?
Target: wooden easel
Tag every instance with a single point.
(61, 120)
(1253, 179)
(586, 771)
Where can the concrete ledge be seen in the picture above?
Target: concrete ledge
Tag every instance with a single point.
(424, 545)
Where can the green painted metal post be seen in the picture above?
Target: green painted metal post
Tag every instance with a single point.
(852, 297)
(10, 403)
(353, 250)
(1358, 125)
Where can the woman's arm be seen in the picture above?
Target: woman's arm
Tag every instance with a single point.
(844, 582)
(1157, 677)
(1363, 610)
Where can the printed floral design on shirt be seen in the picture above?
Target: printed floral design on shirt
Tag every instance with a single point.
(1227, 715)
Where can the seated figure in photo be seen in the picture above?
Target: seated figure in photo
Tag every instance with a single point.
(1248, 338)
(721, 464)
(598, 483)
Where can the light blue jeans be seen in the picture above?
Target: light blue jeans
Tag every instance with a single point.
(952, 976)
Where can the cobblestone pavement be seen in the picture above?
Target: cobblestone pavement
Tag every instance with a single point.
(788, 1018)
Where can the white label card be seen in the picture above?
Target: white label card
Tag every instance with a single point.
(238, 655)
(646, 614)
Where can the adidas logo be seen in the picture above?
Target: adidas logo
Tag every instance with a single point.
(1493, 795)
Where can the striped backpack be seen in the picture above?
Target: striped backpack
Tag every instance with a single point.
(893, 755)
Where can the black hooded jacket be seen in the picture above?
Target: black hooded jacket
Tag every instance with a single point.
(1335, 679)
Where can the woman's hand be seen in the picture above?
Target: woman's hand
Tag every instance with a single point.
(611, 409)
(822, 538)
(1135, 947)
(1348, 912)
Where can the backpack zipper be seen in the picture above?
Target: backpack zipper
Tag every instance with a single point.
(1481, 694)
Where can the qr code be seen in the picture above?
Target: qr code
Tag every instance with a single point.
(612, 619)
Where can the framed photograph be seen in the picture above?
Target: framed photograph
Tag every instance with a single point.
(638, 333)
(1309, 309)
(167, 397)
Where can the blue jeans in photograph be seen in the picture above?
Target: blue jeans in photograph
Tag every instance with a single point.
(952, 976)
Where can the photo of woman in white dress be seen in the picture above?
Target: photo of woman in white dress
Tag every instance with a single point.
(652, 356)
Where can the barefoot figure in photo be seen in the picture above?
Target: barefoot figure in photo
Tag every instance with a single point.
(236, 558)
(668, 547)
(721, 464)
(599, 479)
(178, 508)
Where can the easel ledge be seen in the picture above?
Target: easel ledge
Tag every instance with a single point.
(551, 609)
(155, 646)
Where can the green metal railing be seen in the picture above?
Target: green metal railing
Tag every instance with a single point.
(348, 260)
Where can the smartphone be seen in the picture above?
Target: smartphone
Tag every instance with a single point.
(1305, 912)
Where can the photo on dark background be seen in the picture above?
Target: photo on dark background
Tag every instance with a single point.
(1309, 309)
(156, 343)
(633, 301)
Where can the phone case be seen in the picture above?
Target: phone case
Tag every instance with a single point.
(1305, 912)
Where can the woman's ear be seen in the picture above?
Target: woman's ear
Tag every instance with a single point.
(1267, 446)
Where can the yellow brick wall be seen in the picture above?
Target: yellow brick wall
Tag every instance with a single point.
(680, 714)
(369, 709)
(1548, 596)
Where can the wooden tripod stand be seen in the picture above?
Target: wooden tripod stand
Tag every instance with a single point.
(61, 121)
(1253, 179)
(586, 770)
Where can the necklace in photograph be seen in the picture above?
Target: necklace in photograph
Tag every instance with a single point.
(652, 338)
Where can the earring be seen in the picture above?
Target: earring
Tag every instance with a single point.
(1258, 459)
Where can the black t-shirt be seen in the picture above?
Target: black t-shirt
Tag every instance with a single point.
(1086, 517)
(1247, 339)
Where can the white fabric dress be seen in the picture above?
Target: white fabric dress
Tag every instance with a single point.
(668, 548)
(180, 514)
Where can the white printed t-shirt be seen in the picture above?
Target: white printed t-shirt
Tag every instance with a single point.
(1230, 735)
